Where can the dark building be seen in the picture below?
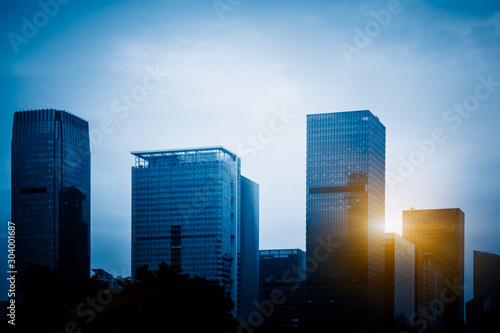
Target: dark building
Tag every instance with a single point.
(486, 285)
(74, 235)
(487, 277)
(51, 191)
(282, 272)
(440, 232)
(476, 309)
(433, 304)
(102, 275)
(429, 284)
(345, 212)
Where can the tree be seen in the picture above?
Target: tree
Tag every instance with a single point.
(167, 299)
(153, 301)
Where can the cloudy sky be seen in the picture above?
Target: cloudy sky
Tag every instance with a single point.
(166, 74)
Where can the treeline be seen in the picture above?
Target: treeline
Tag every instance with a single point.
(161, 300)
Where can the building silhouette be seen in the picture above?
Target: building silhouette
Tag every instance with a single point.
(440, 232)
(283, 272)
(51, 191)
(189, 209)
(345, 211)
(431, 294)
(429, 285)
(486, 285)
(399, 277)
(487, 277)
(102, 275)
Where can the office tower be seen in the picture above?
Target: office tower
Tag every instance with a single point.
(345, 211)
(249, 262)
(432, 310)
(486, 286)
(51, 191)
(429, 284)
(399, 277)
(188, 210)
(487, 277)
(441, 233)
(283, 272)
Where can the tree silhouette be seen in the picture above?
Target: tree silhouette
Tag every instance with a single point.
(163, 299)
(154, 300)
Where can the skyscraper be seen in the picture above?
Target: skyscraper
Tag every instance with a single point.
(486, 287)
(249, 261)
(345, 211)
(441, 233)
(431, 309)
(487, 277)
(399, 276)
(187, 209)
(51, 191)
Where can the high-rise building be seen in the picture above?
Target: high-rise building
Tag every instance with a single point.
(399, 277)
(51, 191)
(249, 261)
(429, 285)
(487, 277)
(345, 211)
(432, 310)
(189, 209)
(441, 233)
(283, 273)
(486, 286)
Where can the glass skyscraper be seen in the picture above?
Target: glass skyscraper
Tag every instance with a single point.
(187, 211)
(51, 191)
(345, 211)
(399, 277)
(249, 260)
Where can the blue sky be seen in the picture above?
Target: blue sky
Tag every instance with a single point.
(243, 74)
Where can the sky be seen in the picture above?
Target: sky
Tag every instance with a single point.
(244, 74)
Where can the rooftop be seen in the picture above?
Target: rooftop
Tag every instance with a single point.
(145, 154)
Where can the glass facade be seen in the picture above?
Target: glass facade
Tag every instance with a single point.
(249, 278)
(51, 191)
(400, 276)
(441, 232)
(282, 271)
(345, 211)
(186, 212)
(431, 293)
